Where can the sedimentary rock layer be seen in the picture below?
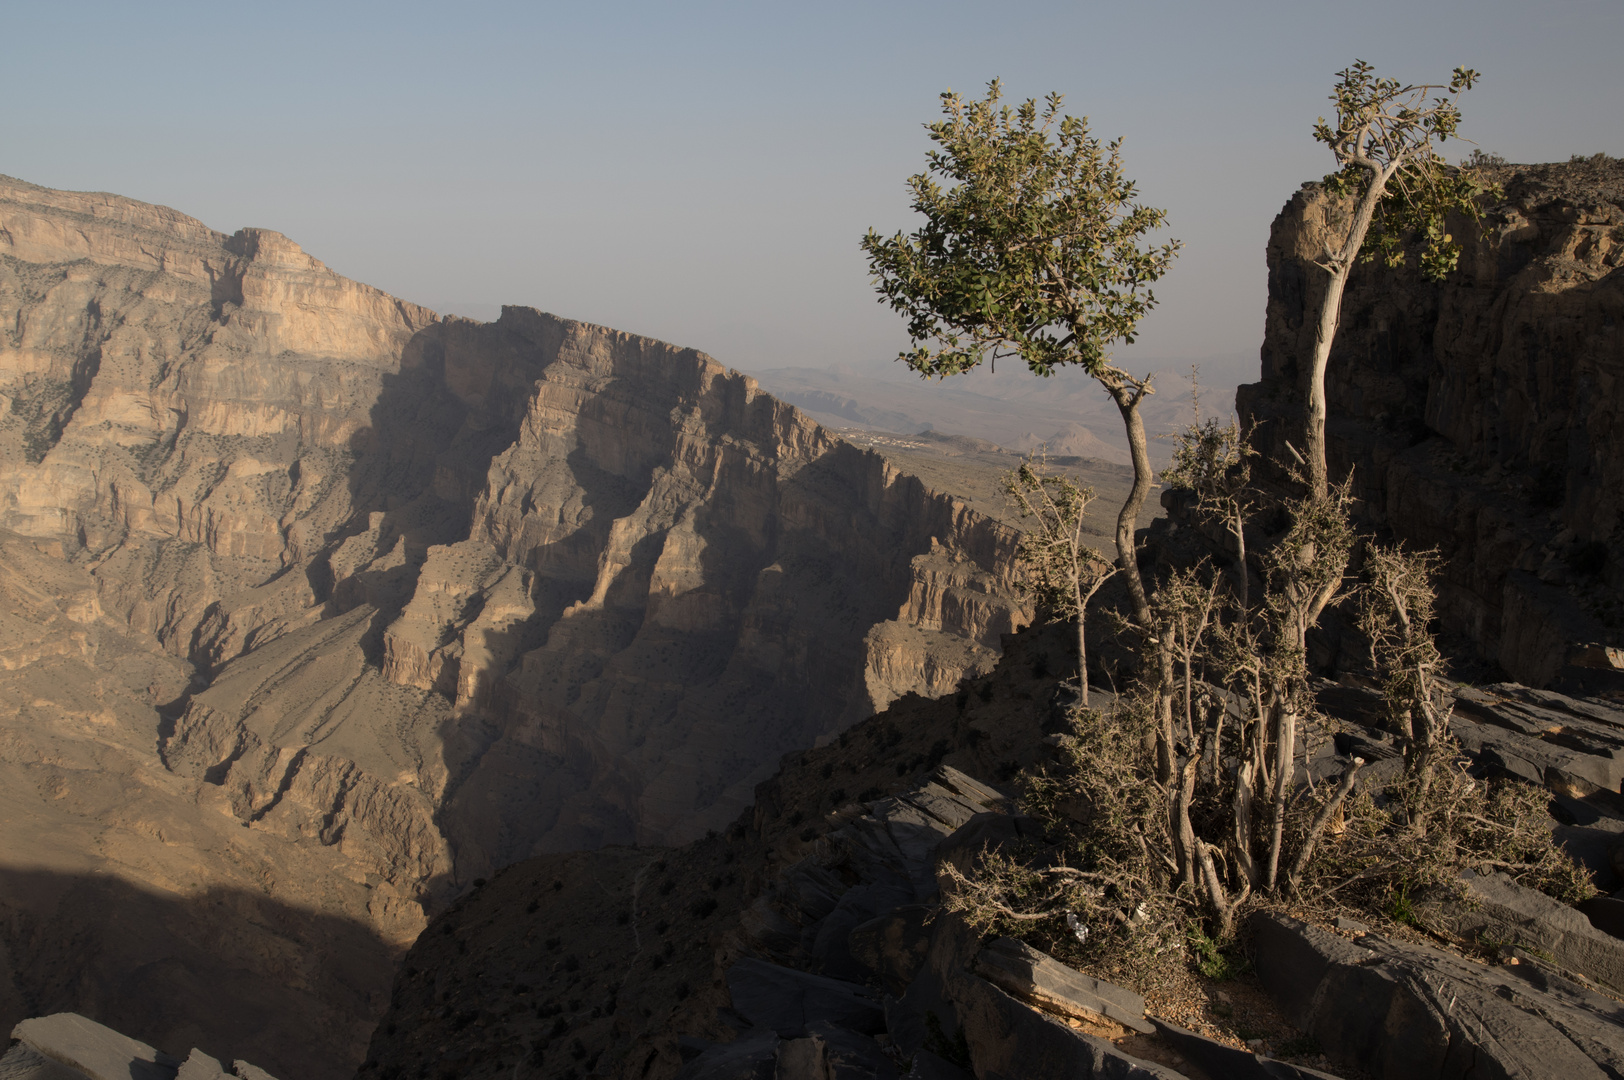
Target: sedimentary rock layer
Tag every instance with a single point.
(428, 596)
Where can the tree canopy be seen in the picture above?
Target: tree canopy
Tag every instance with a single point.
(1033, 248)
(1384, 141)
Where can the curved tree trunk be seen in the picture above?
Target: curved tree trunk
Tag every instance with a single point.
(1338, 264)
(1314, 421)
(1128, 393)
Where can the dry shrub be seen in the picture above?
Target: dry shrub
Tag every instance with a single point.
(1108, 870)
(1409, 836)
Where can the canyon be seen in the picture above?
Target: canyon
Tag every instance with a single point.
(319, 607)
(327, 620)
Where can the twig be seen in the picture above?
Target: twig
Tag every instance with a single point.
(1320, 821)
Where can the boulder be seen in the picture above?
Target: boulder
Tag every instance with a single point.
(1594, 839)
(786, 1001)
(1040, 979)
(927, 1014)
(989, 832)
(893, 946)
(97, 1052)
(1494, 908)
(1569, 770)
(1009, 1040)
(248, 1071)
(752, 1056)
(970, 789)
(929, 1066)
(916, 833)
(832, 1053)
(1215, 1059)
(22, 1062)
(924, 1016)
(1606, 913)
(836, 941)
(201, 1066)
(1400, 1010)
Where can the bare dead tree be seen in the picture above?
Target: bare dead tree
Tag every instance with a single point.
(1062, 570)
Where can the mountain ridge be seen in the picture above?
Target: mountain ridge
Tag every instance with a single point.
(407, 598)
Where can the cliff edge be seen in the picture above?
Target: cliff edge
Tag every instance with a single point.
(1483, 416)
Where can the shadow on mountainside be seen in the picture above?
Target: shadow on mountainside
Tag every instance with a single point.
(740, 574)
(239, 975)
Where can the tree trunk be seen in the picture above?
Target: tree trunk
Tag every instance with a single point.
(1127, 396)
(1188, 851)
(1082, 652)
(1338, 265)
(1284, 722)
(1314, 423)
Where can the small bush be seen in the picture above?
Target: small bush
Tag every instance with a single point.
(1218, 960)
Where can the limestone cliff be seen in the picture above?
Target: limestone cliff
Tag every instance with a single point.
(1482, 416)
(430, 595)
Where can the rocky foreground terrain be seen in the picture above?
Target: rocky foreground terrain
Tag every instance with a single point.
(811, 939)
(318, 607)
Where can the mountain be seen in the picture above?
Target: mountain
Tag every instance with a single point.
(317, 607)
(1068, 413)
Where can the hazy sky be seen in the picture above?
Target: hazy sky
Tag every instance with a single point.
(702, 172)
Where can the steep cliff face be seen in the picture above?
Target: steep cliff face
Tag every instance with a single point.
(437, 595)
(1483, 416)
(627, 583)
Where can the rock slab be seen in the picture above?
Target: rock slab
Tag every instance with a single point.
(1495, 909)
(1402, 1010)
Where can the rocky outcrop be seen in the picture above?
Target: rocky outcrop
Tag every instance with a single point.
(1481, 416)
(1402, 1009)
(398, 600)
(67, 1046)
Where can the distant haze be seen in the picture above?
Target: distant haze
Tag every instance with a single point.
(702, 172)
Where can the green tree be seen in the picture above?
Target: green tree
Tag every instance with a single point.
(1397, 184)
(1063, 571)
(1036, 249)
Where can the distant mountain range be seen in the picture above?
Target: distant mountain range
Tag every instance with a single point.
(1069, 413)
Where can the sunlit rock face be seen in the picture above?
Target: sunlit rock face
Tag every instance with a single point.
(1483, 416)
(405, 599)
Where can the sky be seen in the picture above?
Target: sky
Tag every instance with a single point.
(702, 172)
